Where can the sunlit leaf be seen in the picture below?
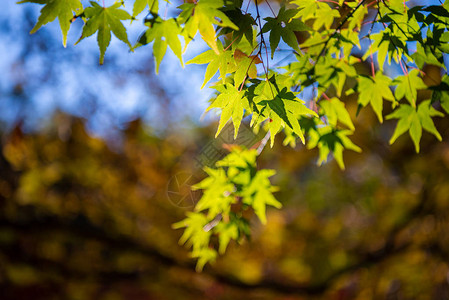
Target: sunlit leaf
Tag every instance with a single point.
(105, 20)
(61, 9)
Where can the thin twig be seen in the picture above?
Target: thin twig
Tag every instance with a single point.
(263, 143)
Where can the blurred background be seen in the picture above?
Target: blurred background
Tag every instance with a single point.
(96, 164)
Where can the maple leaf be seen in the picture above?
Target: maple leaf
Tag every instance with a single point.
(61, 9)
(335, 72)
(386, 44)
(202, 16)
(281, 106)
(104, 20)
(408, 86)
(163, 33)
(139, 6)
(217, 189)
(283, 26)
(357, 17)
(246, 66)
(228, 232)
(245, 24)
(329, 140)
(235, 180)
(414, 120)
(223, 62)
(441, 93)
(231, 101)
(322, 13)
(335, 111)
(373, 90)
(259, 194)
(195, 235)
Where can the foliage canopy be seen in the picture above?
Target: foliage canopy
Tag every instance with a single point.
(328, 46)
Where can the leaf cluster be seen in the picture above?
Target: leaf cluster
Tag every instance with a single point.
(335, 51)
(231, 193)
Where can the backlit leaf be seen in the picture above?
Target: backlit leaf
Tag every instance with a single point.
(105, 20)
(61, 9)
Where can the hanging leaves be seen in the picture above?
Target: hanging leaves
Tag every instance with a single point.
(231, 101)
(223, 62)
(335, 111)
(139, 6)
(105, 20)
(414, 120)
(408, 85)
(234, 180)
(323, 63)
(61, 9)
(283, 26)
(321, 13)
(201, 16)
(275, 102)
(163, 33)
(372, 90)
(328, 140)
(441, 93)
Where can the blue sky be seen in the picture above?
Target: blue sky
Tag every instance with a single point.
(70, 79)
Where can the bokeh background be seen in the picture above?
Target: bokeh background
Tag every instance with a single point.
(96, 163)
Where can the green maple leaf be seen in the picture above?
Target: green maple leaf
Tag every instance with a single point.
(195, 235)
(231, 101)
(414, 120)
(223, 62)
(322, 13)
(204, 256)
(335, 72)
(357, 17)
(217, 197)
(202, 16)
(139, 6)
(259, 194)
(163, 33)
(444, 100)
(441, 93)
(193, 223)
(234, 180)
(61, 9)
(105, 20)
(387, 44)
(245, 24)
(335, 111)
(246, 67)
(307, 8)
(284, 26)
(426, 54)
(373, 90)
(281, 106)
(227, 232)
(408, 86)
(329, 140)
